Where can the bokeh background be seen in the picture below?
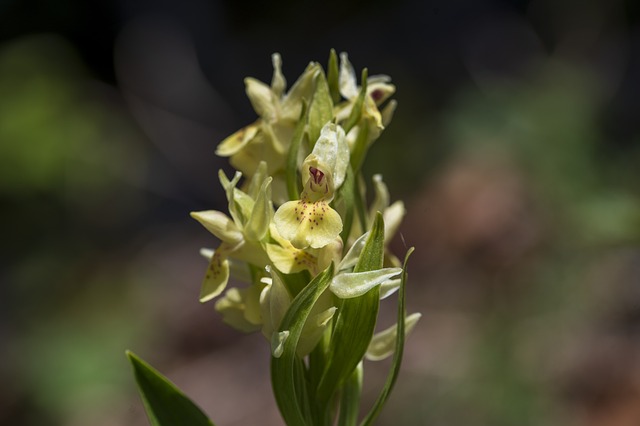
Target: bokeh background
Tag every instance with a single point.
(516, 147)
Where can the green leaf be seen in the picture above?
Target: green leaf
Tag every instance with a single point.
(287, 370)
(397, 355)
(321, 108)
(359, 150)
(350, 398)
(165, 404)
(293, 188)
(354, 284)
(356, 112)
(333, 74)
(356, 320)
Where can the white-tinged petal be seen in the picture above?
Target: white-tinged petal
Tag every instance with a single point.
(351, 258)
(381, 197)
(207, 253)
(392, 219)
(220, 225)
(389, 287)
(277, 343)
(347, 78)
(353, 284)
(261, 97)
(331, 155)
(383, 343)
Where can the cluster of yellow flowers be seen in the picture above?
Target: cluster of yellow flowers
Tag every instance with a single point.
(301, 204)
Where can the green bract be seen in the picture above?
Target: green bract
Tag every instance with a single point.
(310, 253)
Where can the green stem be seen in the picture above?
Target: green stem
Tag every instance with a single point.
(350, 399)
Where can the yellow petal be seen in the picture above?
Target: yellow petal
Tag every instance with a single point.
(261, 97)
(217, 275)
(260, 218)
(306, 224)
(288, 259)
(220, 225)
(237, 141)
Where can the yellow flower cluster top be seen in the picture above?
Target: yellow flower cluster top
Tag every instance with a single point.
(297, 202)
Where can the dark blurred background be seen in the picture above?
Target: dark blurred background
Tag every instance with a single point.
(516, 147)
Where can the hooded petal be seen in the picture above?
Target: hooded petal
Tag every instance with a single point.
(330, 155)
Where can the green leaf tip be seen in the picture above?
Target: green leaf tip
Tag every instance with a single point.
(165, 404)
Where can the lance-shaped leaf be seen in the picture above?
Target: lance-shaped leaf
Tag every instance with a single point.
(333, 77)
(354, 284)
(321, 108)
(398, 350)
(356, 321)
(164, 403)
(293, 189)
(285, 373)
